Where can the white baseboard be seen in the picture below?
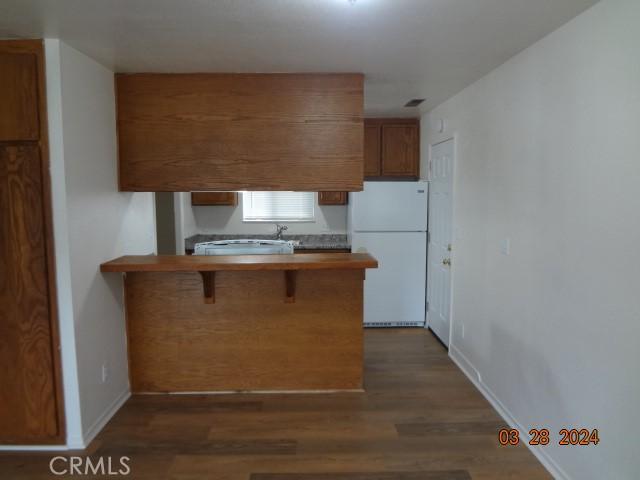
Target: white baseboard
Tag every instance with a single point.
(102, 420)
(256, 392)
(75, 442)
(31, 448)
(476, 378)
(465, 365)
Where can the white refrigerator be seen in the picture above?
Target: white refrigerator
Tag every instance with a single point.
(389, 221)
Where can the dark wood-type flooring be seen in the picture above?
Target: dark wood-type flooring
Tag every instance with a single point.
(420, 419)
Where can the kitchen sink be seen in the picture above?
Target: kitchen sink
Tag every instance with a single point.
(245, 247)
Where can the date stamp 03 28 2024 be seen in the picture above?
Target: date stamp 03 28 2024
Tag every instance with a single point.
(568, 437)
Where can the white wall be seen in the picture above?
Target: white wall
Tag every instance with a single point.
(548, 154)
(329, 219)
(93, 223)
(61, 244)
(185, 225)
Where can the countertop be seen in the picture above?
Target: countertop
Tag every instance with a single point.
(307, 242)
(191, 263)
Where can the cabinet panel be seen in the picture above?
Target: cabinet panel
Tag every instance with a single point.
(31, 400)
(400, 150)
(332, 198)
(214, 198)
(189, 132)
(28, 411)
(18, 97)
(371, 149)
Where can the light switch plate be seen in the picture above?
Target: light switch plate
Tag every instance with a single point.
(505, 246)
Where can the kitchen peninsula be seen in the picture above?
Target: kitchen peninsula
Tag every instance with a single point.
(244, 323)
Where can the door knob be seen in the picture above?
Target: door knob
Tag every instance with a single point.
(446, 261)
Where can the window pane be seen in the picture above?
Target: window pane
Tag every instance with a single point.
(278, 206)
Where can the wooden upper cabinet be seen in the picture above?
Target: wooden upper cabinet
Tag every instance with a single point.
(371, 149)
(214, 199)
(223, 132)
(333, 198)
(391, 148)
(19, 97)
(400, 156)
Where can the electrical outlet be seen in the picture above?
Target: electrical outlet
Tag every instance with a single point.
(105, 372)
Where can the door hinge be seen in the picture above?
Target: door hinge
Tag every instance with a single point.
(428, 237)
(427, 309)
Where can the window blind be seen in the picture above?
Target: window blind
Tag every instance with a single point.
(278, 206)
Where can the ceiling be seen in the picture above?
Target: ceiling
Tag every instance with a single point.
(406, 48)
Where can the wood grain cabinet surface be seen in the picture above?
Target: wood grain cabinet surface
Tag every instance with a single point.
(18, 96)
(371, 149)
(400, 151)
(31, 404)
(229, 199)
(333, 198)
(392, 148)
(222, 132)
(251, 338)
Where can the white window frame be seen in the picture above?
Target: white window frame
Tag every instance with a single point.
(254, 216)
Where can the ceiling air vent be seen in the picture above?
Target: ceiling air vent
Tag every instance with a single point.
(415, 102)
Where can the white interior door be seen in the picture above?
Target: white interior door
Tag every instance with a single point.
(394, 293)
(440, 240)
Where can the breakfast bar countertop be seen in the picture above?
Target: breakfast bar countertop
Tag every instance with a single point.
(192, 263)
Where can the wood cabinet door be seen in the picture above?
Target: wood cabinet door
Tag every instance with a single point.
(400, 149)
(28, 405)
(18, 97)
(214, 198)
(332, 198)
(371, 149)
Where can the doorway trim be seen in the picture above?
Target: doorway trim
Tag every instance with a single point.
(454, 171)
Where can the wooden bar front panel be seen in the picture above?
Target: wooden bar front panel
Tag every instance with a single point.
(250, 339)
(228, 132)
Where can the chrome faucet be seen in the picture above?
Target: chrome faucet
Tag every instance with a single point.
(280, 229)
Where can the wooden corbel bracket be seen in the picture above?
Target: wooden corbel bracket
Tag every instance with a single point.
(209, 286)
(290, 281)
